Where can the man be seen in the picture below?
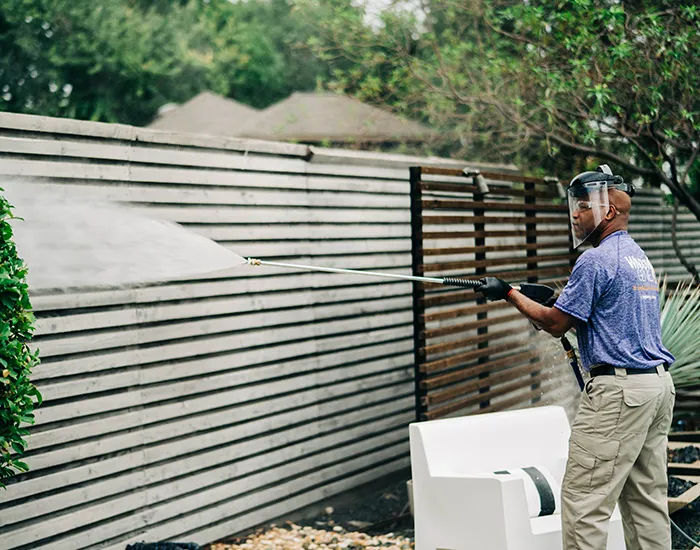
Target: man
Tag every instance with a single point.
(617, 450)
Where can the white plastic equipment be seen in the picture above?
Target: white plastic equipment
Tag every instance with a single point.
(460, 503)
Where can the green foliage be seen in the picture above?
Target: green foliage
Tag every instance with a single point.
(17, 393)
(108, 62)
(514, 80)
(119, 60)
(288, 32)
(680, 326)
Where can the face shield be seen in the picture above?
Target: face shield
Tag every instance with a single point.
(588, 204)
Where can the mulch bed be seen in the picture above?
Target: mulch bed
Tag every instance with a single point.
(376, 519)
(684, 455)
(677, 486)
(688, 519)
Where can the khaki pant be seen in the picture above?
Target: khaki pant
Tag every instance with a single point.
(618, 451)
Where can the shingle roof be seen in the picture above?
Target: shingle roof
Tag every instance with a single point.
(206, 113)
(315, 117)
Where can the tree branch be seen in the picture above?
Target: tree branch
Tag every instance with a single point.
(693, 158)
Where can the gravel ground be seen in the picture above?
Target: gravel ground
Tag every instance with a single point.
(676, 486)
(686, 455)
(295, 537)
(375, 518)
(688, 519)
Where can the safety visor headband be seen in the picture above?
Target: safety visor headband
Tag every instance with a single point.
(579, 188)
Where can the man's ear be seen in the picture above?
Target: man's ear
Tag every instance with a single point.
(611, 213)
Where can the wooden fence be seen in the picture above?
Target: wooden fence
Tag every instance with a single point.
(650, 225)
(202, 407)
(199, 408)
(470, 355)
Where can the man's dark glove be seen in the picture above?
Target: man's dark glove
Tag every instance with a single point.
(493, 288)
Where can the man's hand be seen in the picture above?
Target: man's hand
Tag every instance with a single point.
(493, 288)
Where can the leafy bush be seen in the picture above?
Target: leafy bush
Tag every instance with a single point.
(17, 393)
(680, 326)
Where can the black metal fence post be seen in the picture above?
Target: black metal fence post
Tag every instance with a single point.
(418, 289)
(480, 229)
(530, 242)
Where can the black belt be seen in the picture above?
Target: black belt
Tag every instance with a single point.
(603, 370)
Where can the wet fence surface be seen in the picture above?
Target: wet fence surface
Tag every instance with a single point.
(473, 355)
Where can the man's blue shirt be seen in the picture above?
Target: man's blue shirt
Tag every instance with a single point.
(614, 293)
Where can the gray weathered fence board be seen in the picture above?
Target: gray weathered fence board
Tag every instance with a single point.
(328, 415)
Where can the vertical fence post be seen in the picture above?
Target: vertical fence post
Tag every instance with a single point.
(418, 289)
(531, 241)
(480, 240)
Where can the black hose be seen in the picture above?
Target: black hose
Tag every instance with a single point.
(456, 281)
(573, 360)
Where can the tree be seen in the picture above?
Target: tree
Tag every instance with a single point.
(119, 60)
(108, 62)
(611, 80)
(288, 32)
(241, 59)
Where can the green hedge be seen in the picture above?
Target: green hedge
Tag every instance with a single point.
(18, 396)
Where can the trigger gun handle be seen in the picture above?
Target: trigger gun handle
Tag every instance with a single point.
(542, 294)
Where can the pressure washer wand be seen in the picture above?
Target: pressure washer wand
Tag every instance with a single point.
(451, 281)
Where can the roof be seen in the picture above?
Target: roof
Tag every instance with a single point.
(206, 113)
(316, 117)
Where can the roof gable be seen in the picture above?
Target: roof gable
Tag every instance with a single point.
(316, 117)
(206, 113)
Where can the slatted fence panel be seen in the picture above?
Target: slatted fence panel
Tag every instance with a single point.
(472, 355)
(199, 408)
(650, 225)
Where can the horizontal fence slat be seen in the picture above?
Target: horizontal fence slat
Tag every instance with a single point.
(463, 311)
(450, 266)
(463, 220)
(493, 248)
(503, 389)
(466, 327)
(491, 206)
(434, 235)
(469, 372)
(462, 358)
(452, 345)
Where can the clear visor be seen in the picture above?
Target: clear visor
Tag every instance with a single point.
(588, 204)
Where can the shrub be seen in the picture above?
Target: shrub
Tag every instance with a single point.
(680, 326)
(17, 394)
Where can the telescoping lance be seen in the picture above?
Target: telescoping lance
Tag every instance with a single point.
(537, 292)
